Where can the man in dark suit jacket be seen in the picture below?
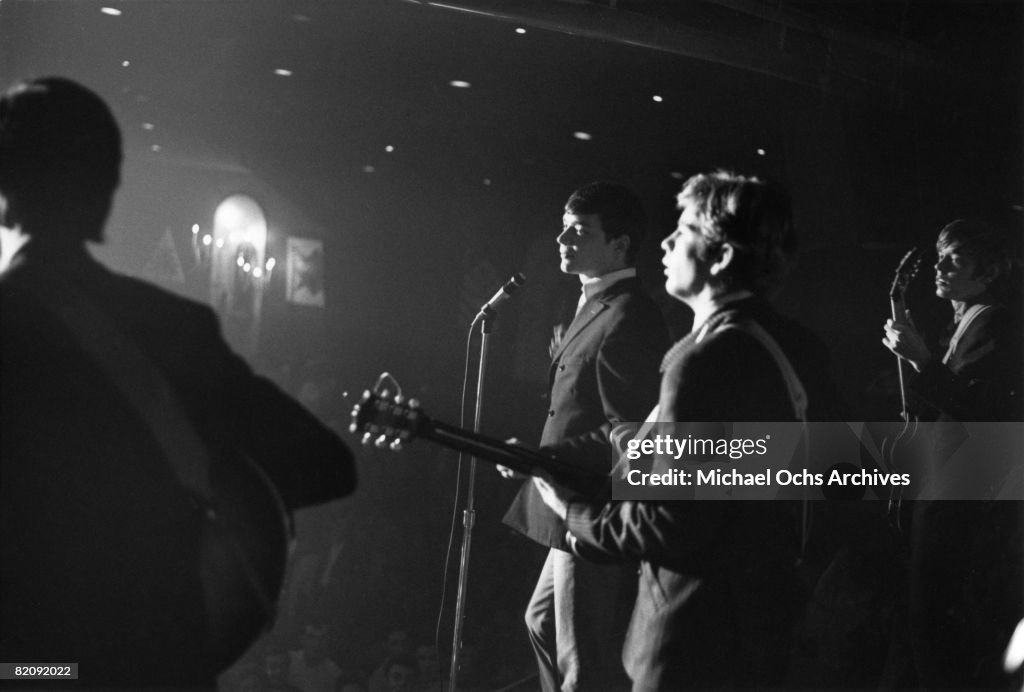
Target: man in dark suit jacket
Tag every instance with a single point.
(126, 426)
(717, 596)
(603, 372)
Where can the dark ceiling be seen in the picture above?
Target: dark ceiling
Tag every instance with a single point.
(884, 118)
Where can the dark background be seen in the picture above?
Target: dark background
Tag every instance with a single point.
(885, 119)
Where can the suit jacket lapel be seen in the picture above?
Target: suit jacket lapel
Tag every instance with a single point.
(591, 309)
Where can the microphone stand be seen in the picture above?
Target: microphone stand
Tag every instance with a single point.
(469, 513)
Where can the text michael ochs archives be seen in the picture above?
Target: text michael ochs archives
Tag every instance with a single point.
(843, 460)
(736, 449)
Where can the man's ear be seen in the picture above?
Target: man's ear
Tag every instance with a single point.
(622, 244)
(726, 253)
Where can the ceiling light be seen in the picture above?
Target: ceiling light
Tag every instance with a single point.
(112, 11)
(148, 126)
(657, 99)
(760, 152)
(520, 30)
(369, 169)
(389, 148)
(459, 84)
(125, 63)
(585, 136)
(282, 72)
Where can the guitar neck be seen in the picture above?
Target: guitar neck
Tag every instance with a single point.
(899, 314)
(516, 458)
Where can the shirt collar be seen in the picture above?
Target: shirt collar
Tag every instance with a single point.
(700, 321)
(592, 286)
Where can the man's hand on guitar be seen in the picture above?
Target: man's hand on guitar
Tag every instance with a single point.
(505, 471)
(906, 342)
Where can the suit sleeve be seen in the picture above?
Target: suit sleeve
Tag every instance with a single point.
(667, 533)
(306, 461)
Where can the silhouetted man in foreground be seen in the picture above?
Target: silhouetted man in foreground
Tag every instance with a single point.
(143, 463)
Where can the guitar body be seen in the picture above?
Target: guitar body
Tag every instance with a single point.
(246, 540)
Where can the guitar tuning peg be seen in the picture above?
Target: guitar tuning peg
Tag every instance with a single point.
(399, 398)
(395, 446)
(381, 441)
(414, 403)
(384, 394)
(366, 438)
(352, 427)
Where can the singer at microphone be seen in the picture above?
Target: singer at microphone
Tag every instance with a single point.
(503, 294)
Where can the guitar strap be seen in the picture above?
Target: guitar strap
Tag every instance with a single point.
(135, 378)
(798, 399)
(961, 328)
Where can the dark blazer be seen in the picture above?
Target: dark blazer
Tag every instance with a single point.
(604, 372)
(983, 379)
(98, 541)
(717, 597)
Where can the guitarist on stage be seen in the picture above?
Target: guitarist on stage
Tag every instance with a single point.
(604, 371)
(966, 557)
(126, 489)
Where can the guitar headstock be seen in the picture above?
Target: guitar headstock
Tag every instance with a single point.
(387, 421)
(908, 268)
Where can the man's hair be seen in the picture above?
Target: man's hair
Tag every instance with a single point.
(752, 215)
(621, 212)
(989, 249)
(60, 156)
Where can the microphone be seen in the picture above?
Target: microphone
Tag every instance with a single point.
(503, 294)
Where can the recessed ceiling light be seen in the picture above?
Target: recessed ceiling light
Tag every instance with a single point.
(369, 169)
(148, 126)
(389, 148)
(760, 152)
(112, 11)
(459, 84)
(657, 99)
(520, 30)
(282, 72)
(155, 147)
(125, 63)
(585, 136)
(487, 181)
(676, 175)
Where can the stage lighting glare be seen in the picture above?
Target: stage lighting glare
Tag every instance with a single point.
(112, 11)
